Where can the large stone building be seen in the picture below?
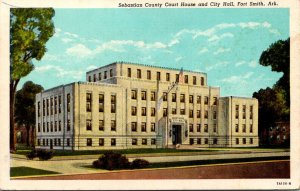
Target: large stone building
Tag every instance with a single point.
(125, 105)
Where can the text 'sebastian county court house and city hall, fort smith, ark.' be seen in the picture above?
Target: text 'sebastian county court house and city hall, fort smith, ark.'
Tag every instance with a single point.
(125, 105)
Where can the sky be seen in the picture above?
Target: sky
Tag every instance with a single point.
(224, 43)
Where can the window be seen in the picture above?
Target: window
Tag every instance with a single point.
(199, 99)
(59, 102)
(251, 141)
(95, 78)
(90, 78)
(206, 141)
(44, 107)
(113, 142)
(191, 99)
(236, 111)
(88, 125)
(143, 127)
(55, 105)
(139, 73)
(101, 102)
(237, 141)
(198, 141)
(244, 140)
(144, 111)
(68, 142)
(191, 113)
(191, 127)
(39, 127)
(59, 143)
(144, 95)
(111, 73)
(148, 74)
(44, 142)
(39, 109)
(173, 97)
(152, 96)
(186, 79)
(88, 102)
(251, 112)
(165, 96)
(206, 100)
(113, 104)
(133, 94)
(215, 115)
(44, 127)
(215, 141)
(38, 142)
(47, 126)
(68, 125)
(215, 128)
(152, 112)
(165, 112)
(51, 126)
(198, 127)
(105, 74)
(134, 141)
(236, 128)
(182, 98)
(244, 128)
(133, 126)
(177, 77)
(129, 72)
(182, 111)
(244, 111)
(47, 142)
(251, 128)
(101, 125)
(198, 114)
(153, 141)
(68, 102)
(48, 106)
(194, 80)
(89, 142)
(167, 77)
(206, 128)
(202, 81)
(206, 114)
(55, 126)
(133, 111)
(191, 141)
(174, 111)
(51, 109)
(99, 76)
(152, 127)
(215, 100)
(101, 142)
(59, 125)
(113, 125)
(144, 141)
(158, 76)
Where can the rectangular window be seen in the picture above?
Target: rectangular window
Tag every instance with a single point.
(55, 105)
(68, 102)
(133, 94)
(68, 125)
(191, 141)
(144, 141)
(158, 76)
(199, 99)
(101, 102)
(47, 106)
(55, 126)
(133, 111)
(101, 142)
(153, 96)
(198, 141)
(194, 80)
(237, 141)
(165, 96)
(44, 108)
(134, 141)
(111, 73)
(47, 143)
(182, 111)
(51, 109)
(113, 104)
(105, 74)
(251, 112)
(177, 78)
(144, 111)
(39, 127)
(59, 143)
(44, 127)
(206, 100)
(88, 102)
(95, 79)
(113, 142)
(59, 125)
(251, 128)
(198, 114)
(89, 142)
(139, 73)
(244, 128)
(215, 101)
(144, 95)
(191, 99)
(202, 81)
(133, 126)
(47, 126)
(38, 142)
(215, 115)
(153, 141)
(191, 127)
(198, 127)
(143, 127)
(236, 111)
(244, 140)
(173, 97)
(51, 126)
(215, 128)
(186, 79)
(236, 128)
(182, 98)
(152, 127)
(129, 72)
(39, 109)
(251, 141)
(167, 77)
(148, 74)
(44, 142)
(90, 78)
(165, 112)
(152, 112)
(88, 125)
(59, 102)
(68, 142)
(206, 141)
(215, 141)
(191, 113)
(101, 125)
(206, 128)
(206, 114)
(88, 97)
(99, 76)
(113, 125)
(174, 111)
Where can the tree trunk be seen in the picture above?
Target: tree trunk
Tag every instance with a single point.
(12, 91)
(28, 134)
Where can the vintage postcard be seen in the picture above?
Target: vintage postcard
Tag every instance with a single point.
(121, 95)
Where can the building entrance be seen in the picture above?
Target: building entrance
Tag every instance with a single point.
(176, 137)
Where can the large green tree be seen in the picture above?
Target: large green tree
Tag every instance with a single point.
(25, 106)
(274, 103)
(30, 29)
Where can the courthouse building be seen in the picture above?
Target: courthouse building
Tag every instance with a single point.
(126, 105)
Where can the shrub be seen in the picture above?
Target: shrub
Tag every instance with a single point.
(31, 155)
(42, 154)
(139, 163)
(111, 160)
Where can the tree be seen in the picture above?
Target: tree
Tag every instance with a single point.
(30, 29)
(25, 106)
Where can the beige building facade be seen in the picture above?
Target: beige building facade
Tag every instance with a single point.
(125, 105)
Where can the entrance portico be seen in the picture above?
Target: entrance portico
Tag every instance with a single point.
(177, 131)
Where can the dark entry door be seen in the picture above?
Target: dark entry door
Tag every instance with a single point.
(51, 144)
(176, 129)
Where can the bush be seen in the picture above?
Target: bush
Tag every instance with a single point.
(31, 155)
(42, 154)
(139, 163)
(111, 161)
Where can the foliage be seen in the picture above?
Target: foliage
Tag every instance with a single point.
(42, 154)
(139, 163)
(111, 161)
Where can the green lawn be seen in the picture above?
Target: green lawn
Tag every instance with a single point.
(27, 171)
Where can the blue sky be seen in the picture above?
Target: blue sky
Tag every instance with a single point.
(224, 43)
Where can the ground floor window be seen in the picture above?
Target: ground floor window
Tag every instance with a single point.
(244, 140)
(59, 143)
(153, 141)
(251, 141)
(38, 142)
(215, 141)
(101, 142)
(89, 142)
(134, 142)
(113, 142)
(191, 141)
(206, 141)
(68, 142)
(199, 141)
(55, 142)
(144, 141)
(237, 141)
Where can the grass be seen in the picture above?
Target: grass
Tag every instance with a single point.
(27, 171)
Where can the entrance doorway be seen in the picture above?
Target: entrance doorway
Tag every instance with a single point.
(176, 137)
(51, 144)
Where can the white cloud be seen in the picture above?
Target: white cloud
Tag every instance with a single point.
(241, 79)
(248, 75)
(240, 63)
(218, 65)
(222, 50)
(178, 58)
(251, 25)
(79, 50)
(66, 40)
(252, 64)
(203, 50)
(91, 67)
(50, 57)
(71, 34)
(60, 72)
